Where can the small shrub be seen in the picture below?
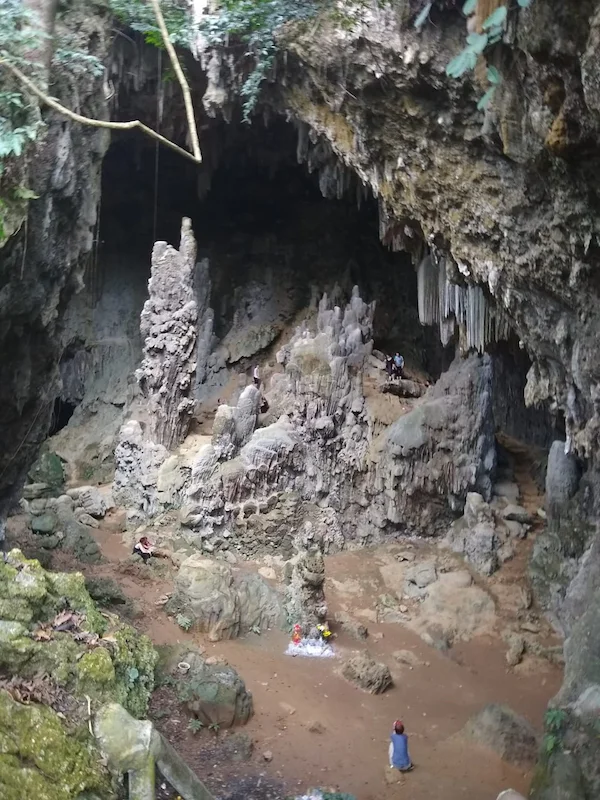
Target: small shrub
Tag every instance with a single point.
(194, 725)
(184, 622)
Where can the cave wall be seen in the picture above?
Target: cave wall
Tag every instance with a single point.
(41, 266)
(513, 202)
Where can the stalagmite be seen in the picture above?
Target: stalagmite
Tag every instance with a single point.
(169, 324)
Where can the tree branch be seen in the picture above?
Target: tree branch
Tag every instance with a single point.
(99, 123)
(187, 98)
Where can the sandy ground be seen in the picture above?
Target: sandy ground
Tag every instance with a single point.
(291, 694)
(294, 697)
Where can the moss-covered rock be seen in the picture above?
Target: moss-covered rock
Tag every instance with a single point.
(39, 759)
(96, 671)
(134, 660)
(48, 469)
(119, 667)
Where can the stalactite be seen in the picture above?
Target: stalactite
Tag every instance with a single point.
(447, 305)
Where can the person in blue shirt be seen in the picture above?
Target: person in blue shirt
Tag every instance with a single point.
(398, 365)
(398, 750)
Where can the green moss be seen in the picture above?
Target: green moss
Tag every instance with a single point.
(135, 654)
(72, 586)
(38, 759)
(15, 609)
(95, 672)
(29, 594)
(48, 469)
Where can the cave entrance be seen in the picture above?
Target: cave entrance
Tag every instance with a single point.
(61, 414)
(274, 243)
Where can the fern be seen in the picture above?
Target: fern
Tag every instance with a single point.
(195, 725)
(184, 622)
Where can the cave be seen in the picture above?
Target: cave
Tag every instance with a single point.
(61, 414)
(273, 242)
(235, 410)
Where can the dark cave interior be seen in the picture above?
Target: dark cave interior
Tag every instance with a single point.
(259, 217)
(274, 244)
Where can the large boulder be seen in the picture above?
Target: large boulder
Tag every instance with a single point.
(221, 602)
(90, 499)
(509, 735)
(367, 674)
(49, 470)
(214, 693)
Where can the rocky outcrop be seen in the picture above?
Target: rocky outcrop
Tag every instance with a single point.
(169, 326)
(214, 693)
(511, 736)
(367, 674)
(52, 626)
(305, 600)
(65, 659)
(323, 461)
(222, 603)
(485, 533)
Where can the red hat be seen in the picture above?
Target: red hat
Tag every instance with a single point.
(397, 722)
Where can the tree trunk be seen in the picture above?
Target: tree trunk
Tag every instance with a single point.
(43, 14)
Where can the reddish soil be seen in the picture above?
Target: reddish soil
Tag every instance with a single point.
(434, 700)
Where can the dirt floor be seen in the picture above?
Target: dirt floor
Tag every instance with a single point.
(319, 730)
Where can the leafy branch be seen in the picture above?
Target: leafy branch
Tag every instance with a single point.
(253, 23)
(477, 43)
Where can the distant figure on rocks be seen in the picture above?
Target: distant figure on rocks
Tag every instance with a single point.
(398, 749)
(389, 366)
(256, 376)
(398, 366)
(143, 548)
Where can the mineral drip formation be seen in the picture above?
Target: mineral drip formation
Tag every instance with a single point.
(448, 304)
(169, 325)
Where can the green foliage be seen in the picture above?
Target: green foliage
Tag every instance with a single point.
(184, 622)
(19, 120)
(254, 23)
(554, 720)
(476, 44)
(133, 674)
(195, 725)
(139, 16)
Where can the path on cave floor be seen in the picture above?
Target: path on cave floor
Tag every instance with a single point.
(435, 701)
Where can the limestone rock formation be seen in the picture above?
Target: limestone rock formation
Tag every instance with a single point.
(305, 595)
(221, 602)
(90, 500)
(511, 736)
(169, 324)
(483, 535)
(137, 462)
(367, 674)
(322, 463)
(42, 263)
